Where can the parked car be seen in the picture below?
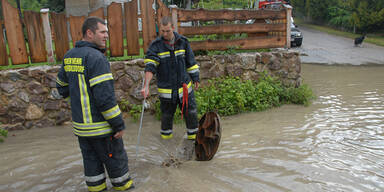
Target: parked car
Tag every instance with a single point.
(296, 37)
(271, 4)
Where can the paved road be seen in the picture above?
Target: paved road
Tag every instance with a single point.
(323, 48)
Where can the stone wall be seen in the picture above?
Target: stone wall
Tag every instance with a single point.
(29, 99)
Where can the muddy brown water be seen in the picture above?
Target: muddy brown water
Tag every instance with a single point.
(335, 144)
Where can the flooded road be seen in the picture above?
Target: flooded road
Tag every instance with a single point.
(335, 144)
(324, 48)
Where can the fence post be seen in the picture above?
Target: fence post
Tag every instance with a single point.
(288, 9)
(174, 15)
(3, 49)
(162, 11)
(15, 36)
(148, 22)
(48, 34)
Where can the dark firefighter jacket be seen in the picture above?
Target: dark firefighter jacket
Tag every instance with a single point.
(172, 67)
(85, 79)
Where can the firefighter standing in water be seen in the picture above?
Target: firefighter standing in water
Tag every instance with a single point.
(170, 57)
(85, 78)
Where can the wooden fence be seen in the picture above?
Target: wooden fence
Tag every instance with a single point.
(269, 29)
(34, 46)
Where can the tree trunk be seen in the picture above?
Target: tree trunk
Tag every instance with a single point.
(188, 4)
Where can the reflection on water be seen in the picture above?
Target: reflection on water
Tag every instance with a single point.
(336, 144)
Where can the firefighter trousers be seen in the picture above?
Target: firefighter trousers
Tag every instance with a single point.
(108, 152)
(168, 109)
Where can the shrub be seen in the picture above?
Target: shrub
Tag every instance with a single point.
(133, 109)
(231, 95)
(3, 133)
(301, 95)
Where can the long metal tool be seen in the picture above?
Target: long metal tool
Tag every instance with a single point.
(141, 123)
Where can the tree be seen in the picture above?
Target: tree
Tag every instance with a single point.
(298, 6)
(340, 16)
(353, 15)
(55, 5)
(32, 5)
(36, 5)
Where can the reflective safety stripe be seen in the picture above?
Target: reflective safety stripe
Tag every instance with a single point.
(120, 179)
(160, 90)
(98, 187)
(124, 187)
(167, 136)
(166, 132)
(95, 178)
(91, 129)
(192, 131)
(189, 86)
(164, 54)
(189, 89)
(92, 133)
(84, 99)
(193, 136)
(167, 93)
(180, 52)
(193, 69)
(87, 126)
(111, 113)
(151, 62)
(61, 83)
(100, 78)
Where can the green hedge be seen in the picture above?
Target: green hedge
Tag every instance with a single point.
(231, 95)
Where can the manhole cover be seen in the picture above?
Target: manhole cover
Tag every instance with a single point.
(208, 136)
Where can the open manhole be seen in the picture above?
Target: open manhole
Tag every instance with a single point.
(208, 136)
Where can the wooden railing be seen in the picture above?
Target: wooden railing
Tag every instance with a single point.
(269, 29)
(44, 28)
